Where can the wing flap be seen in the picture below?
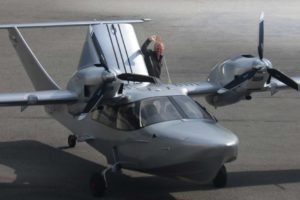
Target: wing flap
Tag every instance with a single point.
(38, 98)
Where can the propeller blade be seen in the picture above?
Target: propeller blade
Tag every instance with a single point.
(94, 100)
(136, 78)
(283, 78)
(261, 37)
(100, 92)
(269, 79)
(240, 79)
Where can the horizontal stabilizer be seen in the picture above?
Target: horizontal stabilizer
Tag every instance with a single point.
(70, 23)
(38, 98)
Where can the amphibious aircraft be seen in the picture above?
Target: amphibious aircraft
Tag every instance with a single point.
(135, 120)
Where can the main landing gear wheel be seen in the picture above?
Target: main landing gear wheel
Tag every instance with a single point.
(220, 180)
(97, 185)
(72, 141)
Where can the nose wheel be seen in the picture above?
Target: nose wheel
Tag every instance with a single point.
(99, 182)
(72, 139)
(220, 180)
(98, 185)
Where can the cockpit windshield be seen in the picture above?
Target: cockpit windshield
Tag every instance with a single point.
(154, 110)
(191, 109)
(150, 111)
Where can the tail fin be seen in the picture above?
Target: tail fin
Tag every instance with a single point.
(40, 79)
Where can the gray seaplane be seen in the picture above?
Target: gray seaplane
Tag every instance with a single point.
(136, 121)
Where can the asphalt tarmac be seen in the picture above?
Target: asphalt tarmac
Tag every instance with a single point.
(34, 160)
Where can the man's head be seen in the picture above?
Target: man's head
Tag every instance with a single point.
(159, 48)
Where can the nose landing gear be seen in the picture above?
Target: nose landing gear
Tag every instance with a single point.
(220, 180)
(99, 182)
(98, 185)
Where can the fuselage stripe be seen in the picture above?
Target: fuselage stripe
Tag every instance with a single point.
(120, 52)
(125, 48)
(112, 46)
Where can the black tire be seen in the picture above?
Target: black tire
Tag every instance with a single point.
(97, 185)
(72, 141)
(220, 180)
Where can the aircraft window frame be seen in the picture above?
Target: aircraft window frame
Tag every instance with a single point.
(167, 109)
(210, 116)
(126, 121)
(106, 115)
(111, 119)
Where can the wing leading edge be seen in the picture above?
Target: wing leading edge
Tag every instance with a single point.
(208, 88)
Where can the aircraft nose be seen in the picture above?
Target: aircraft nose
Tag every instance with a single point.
(195, 140)
(215, 142)
(231, 148)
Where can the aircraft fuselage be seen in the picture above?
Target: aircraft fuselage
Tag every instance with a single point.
(175, 141)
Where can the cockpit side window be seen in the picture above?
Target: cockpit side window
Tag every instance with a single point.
(124, 117)
(128, 117)
(106, 115)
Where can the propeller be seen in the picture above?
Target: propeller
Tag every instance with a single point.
(251, 73)
(260, 47)
(94, 100)
(282, 77)
(239, 79)
(102, 90)
(272, 72)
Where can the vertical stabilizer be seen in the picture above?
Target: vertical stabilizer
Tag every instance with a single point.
(89, 54)
(40, 79)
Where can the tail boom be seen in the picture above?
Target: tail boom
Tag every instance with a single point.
(40, 79)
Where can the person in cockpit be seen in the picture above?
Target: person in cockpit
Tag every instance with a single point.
(153, 58)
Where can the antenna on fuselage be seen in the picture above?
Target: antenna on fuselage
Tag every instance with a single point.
(167, 70)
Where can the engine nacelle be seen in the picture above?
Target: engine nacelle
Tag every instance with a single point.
(227, 71)
(85, 82)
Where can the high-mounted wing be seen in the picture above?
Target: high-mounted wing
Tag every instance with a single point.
(199, 88)
(38, 98)
(208, 88)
